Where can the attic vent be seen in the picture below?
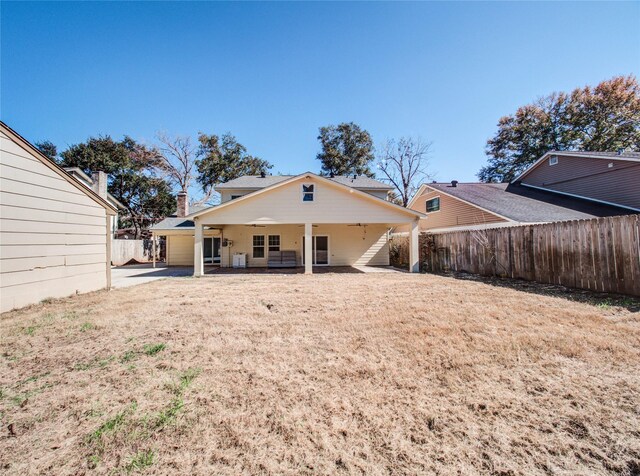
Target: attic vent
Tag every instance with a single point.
(454, 183)
(263, 175)
(553, 160)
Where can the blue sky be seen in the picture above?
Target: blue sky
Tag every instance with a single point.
(272, 73)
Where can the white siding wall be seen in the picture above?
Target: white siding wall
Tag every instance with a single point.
(225, 195)
(332, 204)
(53, 237)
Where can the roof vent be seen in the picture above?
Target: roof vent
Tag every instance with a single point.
(262, 174)
(620, 151)
(332, 175)
(454, 183)
(355, 176)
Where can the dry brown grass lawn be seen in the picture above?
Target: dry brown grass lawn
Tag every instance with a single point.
(323, 374)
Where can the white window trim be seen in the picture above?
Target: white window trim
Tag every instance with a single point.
(553, 160)
(439, 205)
(313, 194)
(264, 247)
(279, 242)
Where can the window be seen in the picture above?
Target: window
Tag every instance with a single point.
(553, 160)
(258, 246)
(307, 193)
(274, 242)
(433, 205)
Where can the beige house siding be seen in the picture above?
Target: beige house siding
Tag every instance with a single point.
(180, 250)
(225, 195)
(53, 237)
(383, 194)
(348, 245)
(453, 212)
(591, 178)
(332, 204)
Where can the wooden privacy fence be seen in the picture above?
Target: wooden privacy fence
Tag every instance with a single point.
(601, 254)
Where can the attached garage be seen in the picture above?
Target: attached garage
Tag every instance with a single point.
(54, 232)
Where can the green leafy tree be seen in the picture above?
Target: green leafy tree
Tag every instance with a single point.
(598, 119)
(221, 159)
(130, 166)
(347, 149)
(49, 149)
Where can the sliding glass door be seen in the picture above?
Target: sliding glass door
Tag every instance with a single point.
(320, 250)
(211, 250)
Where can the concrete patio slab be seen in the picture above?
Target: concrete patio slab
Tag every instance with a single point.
(125, 276)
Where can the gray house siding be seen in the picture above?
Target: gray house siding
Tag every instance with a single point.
(608, 180)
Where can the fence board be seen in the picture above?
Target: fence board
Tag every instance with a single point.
(602, 254)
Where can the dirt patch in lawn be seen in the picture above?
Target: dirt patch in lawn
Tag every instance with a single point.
(322, 374)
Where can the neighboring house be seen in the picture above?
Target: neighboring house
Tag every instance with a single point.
(303, 220)
(459, 206)
(98, 183)
(603, 177)
(54, 231)
(560, 186)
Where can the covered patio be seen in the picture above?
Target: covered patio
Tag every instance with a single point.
(301, 247)
(303, 223)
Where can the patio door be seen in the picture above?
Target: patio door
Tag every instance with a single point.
(211, 250)
(319, 250)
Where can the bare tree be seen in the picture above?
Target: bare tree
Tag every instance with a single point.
(177, 161)
(404, 162)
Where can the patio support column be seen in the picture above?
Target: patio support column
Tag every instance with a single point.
(198, 263)
(308, 248)
(414, 251)
(153, 248)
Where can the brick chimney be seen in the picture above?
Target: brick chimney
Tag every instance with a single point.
(183, 204)
(99, 184)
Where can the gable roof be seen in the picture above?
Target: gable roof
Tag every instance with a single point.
(626, 156)
(25, 144)
(187, 223)
(256, 182)
(524, 204)
(294, 178)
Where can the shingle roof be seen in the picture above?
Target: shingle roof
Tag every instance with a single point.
(604, 155)
(527, 205)
(360, 182)
(256, 182)
(174, 222)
